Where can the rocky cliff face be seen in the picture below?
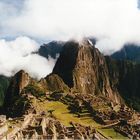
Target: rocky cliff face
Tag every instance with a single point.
(126, 77)
(81, 68)
(18, 82)
(84, 87)
(66, 62)
(84, 69)
(55, 84)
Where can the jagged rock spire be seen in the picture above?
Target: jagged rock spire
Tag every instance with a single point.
(83, 68)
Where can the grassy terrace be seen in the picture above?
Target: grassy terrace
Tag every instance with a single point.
(62, 113)
(111, 133)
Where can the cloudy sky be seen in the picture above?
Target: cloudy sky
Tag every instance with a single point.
(112, 22)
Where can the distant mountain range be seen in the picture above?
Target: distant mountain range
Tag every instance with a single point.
(51, 49)
(83, 85)
(54, 48)
(128, 52)
(82, 68)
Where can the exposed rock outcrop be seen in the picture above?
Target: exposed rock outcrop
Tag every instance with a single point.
(88, 83)
(66, 62)
(55, 83)
(83, 68)
(18, 82)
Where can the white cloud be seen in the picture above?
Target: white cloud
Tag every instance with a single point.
(20, 54)
(113, 22)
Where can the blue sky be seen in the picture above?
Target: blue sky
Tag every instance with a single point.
(18, 3)
(139, 3)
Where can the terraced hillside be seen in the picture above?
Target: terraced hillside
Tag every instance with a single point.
(81, 99)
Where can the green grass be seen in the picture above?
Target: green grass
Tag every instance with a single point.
(111, 133)
(64, 116)
(62, 113)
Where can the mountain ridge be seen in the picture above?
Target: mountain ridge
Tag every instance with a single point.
(130, 52)
(87, 85)
(87, 58)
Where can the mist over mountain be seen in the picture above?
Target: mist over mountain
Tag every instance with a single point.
(83, 86)
(48, 20)
(128, 52)
(69, 69)
(52, 49)
(22, 53)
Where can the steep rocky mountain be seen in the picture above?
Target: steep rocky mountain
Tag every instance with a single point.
(81, 68)
(84, 69)
(54, 48)
(22, 87)
(86, 90)
(126, 75)
(128, 52)
(17, 83)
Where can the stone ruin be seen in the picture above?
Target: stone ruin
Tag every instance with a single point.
(126, 129)
(3, 125)
(40, 127)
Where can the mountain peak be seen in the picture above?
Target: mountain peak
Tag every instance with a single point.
(83, 68)
(20, 80)
(85, 42)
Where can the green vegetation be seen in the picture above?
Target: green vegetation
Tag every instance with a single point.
(4, 83)
(55, 83)
(111, 133)
(134, 103)
(57, 95)
(61, 112)
(35, 90)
